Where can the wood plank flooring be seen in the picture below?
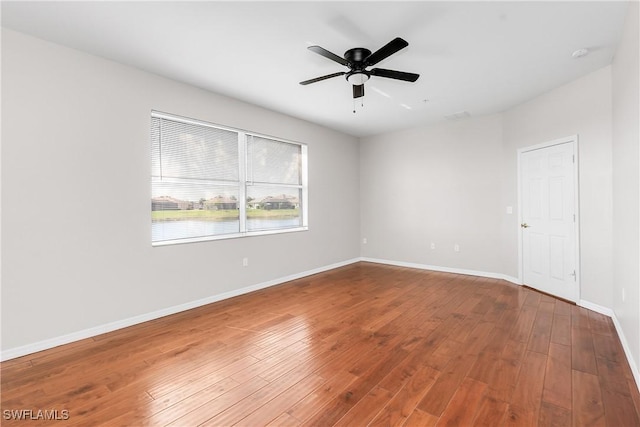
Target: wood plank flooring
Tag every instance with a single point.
(365, 344)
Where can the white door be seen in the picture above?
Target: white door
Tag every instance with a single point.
(548, 219)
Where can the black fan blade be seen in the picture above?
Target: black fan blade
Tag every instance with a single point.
(392, 74)
(319, 79)
(332, 56)
(358, 91)
(387, 50)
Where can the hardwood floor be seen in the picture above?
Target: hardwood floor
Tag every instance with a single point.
(365, 344)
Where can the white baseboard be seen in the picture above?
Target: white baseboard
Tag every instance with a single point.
(12, 353)
(489, 275)
(627, 351)
(623, 339)
(597, 308)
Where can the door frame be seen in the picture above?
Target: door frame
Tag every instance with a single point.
(573, 140)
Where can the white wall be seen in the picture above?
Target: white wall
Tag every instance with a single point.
(626, 182)
(76, 193)
(437, 184)
(582, 107)
(452, 184)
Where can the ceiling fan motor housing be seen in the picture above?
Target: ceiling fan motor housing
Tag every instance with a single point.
(356, 57)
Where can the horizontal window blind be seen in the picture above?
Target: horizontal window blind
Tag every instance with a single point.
(193, 152)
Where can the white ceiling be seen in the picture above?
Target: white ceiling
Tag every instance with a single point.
(480, 57)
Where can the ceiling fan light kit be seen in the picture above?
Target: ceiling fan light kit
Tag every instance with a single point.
(358, 77)
(358, 60)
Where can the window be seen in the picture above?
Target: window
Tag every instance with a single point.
(210, 182)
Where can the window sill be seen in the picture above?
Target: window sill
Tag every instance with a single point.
(228, 236)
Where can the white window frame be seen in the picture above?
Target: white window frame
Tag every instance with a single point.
(244, 182)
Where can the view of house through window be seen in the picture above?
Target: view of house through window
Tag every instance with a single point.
(210, 182)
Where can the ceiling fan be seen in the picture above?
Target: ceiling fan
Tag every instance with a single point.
(358, 59)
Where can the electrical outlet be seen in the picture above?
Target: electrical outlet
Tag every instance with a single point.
(456, 248)
(245, 262)
(364, 241)
(433, 245)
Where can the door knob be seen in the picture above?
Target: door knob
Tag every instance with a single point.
(525, 225)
